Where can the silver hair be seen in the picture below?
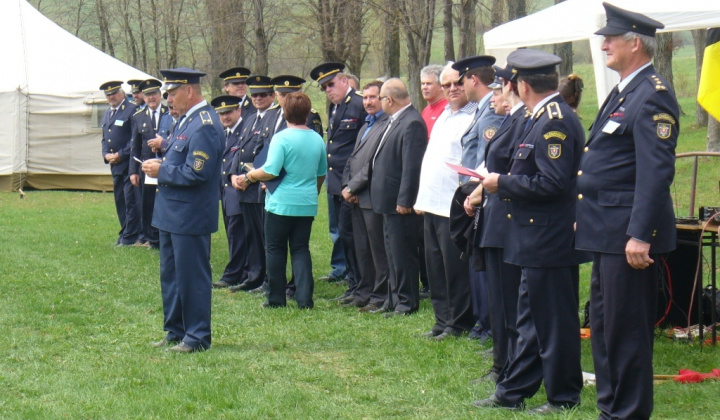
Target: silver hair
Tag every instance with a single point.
(649, 43)
(432, 70)
(448, 67)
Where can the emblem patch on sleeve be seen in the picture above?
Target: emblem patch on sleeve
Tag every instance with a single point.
(555, 134)
(664, 130)
(554, 151)
(199, 164)
(489, 133)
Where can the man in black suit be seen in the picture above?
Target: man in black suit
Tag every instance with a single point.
(116, 145)
(394, 186)
(542, 188)
(148, 122)
(345, 118)
(625, 214)
(230, 114)
(371, 290)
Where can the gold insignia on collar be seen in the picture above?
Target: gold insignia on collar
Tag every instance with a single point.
(347, 100)
(554, 112)
(246, 103)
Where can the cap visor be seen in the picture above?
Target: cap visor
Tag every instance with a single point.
(610, 30)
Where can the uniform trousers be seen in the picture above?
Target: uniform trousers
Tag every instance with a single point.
(254, 242)
(147, 199)
(235, 270)
(623, 309)
(186, 286)
(337, 256)
(127, 210)
(548, 347)
(400, 232)
(503, 281)
(448, 277)
(371, 256)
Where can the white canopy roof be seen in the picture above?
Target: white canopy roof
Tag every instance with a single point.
(575, 20)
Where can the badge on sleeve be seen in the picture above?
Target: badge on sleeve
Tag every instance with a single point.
(199, 164)
(664, 130)
(554, 151)
(489, 133)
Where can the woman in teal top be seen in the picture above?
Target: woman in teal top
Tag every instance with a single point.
(297, 153)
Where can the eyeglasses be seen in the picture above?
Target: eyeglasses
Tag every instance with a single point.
(447, 86)
(259, 95)
(326, 86)
(382, 98)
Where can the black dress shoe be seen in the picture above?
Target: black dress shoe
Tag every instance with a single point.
(260, 289)
(549, 409)
(183, 347)
(424, 293)
(241, 287)
(491, 376)
(494, 402)
(379, 310)
(444, 335)
(395, 313)
(368, 308)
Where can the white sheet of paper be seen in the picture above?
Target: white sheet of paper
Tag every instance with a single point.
(610, 127)
(150, 180)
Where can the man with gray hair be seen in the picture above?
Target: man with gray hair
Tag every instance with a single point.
(433, 94)
(625, 214)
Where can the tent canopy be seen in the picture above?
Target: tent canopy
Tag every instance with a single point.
(575, 20)
(50, 103)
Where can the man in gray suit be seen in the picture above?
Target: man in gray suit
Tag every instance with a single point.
(371, 289)
(393, 189)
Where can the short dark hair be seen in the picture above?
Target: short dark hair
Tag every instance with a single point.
(541, 83)
(297, 108)
(375, 83)
(485, 74)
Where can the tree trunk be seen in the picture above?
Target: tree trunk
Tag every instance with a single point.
(448, 29)
(564, 51)
(516, 9)
(699, 39)
(497, 13)
(663, 57)
(713, 138)
(261, 41)
(143, 46)
(468, 33)
(392, 45)
(417, 20)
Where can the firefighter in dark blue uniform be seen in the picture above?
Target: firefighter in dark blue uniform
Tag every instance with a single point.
(258, 129)
(148, 122)
(235, 81)
(625, 214)
(541, 186)
(228, 109)
(116, 142)
(345, 118)
(186, 212)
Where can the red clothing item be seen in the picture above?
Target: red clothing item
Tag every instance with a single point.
(431, 113)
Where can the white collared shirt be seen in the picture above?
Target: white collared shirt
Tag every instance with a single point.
(626, 81)
(191, 111)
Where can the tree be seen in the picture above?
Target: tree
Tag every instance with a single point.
(516, 9)
(261, 39)
(699, 38)
(341, 36)
(497, 13)
(663, 57)
(449, 45)
(391, 48)
(468, 33)
(417, 19)
(564, 50)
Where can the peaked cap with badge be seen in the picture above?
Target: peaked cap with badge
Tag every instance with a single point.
(225, 103)
(620, 21)
(259, 84)
(469, 63)
(325, 72)
(235, 75)
(175, 78)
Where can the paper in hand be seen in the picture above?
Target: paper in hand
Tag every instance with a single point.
(464, 171)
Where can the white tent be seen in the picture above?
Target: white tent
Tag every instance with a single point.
(50, 104)
(575, 20)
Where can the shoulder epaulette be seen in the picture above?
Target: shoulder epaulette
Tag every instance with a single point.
(275, 106)
(313, 111)
(205, 117)
(358, 93)
(138, 111)
(554, 112)
(657, 82)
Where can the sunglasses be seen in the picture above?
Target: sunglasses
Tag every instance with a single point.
(447, 86)
(326, 86)
(260, 95)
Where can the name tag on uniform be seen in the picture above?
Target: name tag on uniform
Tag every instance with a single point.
(119, 122)
(610, 127)
(150, 180)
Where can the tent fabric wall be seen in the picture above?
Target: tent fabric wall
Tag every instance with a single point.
(575, 20)
(50, 103)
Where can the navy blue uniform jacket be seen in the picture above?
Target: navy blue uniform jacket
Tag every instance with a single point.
(228, 194)
(143, 131)
(627, 169)
(187, 199)
(117, 135)
(342, 134)
(542, 189)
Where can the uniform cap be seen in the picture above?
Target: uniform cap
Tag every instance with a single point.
(468, 63)
(326, 72)
(134, 85)
(111, 87)
(150, 86)
(173, 78)
(504, 73)
(620, 21)
(259, 84)
(235, 75)
(528, 62)
(225, 103)
(287, 83)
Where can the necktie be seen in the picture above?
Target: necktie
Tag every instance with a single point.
(154, 121)
(371, 121)
(112, 112)
(257, 120)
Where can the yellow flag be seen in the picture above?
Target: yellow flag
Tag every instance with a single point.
(709, 88)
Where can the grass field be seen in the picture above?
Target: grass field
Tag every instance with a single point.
(78, 315)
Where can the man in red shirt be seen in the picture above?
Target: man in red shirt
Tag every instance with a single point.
(433, 94)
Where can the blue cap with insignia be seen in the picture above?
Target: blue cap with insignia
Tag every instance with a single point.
(259, 84)
(235, 75)
(496, 84)
(468, 63)
(287, 83)
(528, 62)
(174, 78)
(111, 87)
(620, 21)
(326, 72)
(225, 103)
(504, 73)
(134, 85)
(150, 86)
